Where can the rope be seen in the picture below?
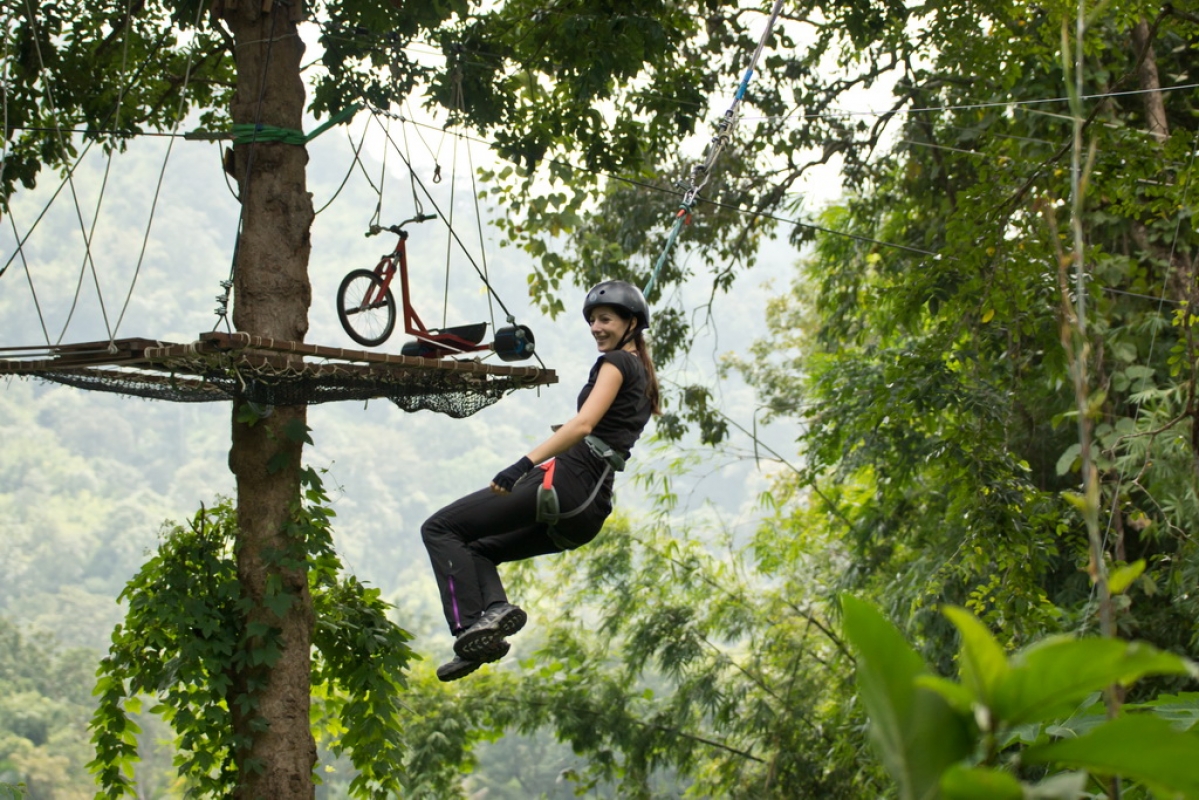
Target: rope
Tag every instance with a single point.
(483, 277)
(87, 257)
(435, 154)
(429, 197)
(41, 318)
(357, 149)
(445, 296)
(375, 220)
(701, 172)
(141, 256)
(474, 191)
(108, 169)
(20, 241)
(417, 206)
(4, 81)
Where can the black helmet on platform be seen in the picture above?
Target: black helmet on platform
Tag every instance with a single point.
(620, 295)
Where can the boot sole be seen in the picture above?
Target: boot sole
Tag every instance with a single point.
(478, 640)
(461, 667)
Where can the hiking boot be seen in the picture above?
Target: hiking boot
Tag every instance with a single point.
(459, 667)
(497, 622)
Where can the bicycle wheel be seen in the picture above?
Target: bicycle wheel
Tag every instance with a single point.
(367, 311)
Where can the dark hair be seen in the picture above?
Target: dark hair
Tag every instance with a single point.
(651, 376)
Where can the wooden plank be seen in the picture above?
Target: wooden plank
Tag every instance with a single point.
(243, 340)
(258, 352)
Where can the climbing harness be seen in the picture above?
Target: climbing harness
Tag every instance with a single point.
(549, 510)
(701, 172)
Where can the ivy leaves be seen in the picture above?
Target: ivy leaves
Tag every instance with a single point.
(181, 637)
(187, 635)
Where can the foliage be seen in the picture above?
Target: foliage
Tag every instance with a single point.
(185, 635)
(973, 738)
(925, 347)
(44, 705)
(680, 663)
(106, 68)
(927, 365)
(925, 350)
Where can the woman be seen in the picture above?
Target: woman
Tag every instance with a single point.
(467, 539)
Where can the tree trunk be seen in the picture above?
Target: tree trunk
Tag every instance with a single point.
(276, 752)
(1180, 280)
(1147, 79)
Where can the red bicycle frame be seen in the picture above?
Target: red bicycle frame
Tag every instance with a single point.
(439, 342)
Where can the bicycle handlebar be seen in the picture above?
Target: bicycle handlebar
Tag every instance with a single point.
(376, 229)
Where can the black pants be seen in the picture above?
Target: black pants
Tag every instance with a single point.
(468, 538)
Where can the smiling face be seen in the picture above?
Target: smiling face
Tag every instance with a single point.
(608, 327)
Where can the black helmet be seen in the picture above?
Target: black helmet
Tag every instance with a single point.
(620, 295)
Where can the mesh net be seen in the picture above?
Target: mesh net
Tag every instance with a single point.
(198, 373)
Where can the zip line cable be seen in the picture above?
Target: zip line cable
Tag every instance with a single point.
(1023, 105)
(701, 173)
(495, 61)
(642, 184)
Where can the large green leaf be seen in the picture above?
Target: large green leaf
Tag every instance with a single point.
(1049, 679)
(916, 732)
(984, 665)
(1142, 747)
(961, 783)
(1181, 709)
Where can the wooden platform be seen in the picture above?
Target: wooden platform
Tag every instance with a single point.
(221, 366)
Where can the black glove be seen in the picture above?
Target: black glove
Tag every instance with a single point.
(507, 478)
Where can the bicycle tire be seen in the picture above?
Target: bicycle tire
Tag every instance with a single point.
(368, 326)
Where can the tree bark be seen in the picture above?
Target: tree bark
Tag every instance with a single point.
(276, 752)
(1180, 280)
(1150, 83)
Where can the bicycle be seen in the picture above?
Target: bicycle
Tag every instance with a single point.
(366, 307)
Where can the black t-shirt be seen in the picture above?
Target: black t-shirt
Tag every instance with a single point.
(624, 420)
(621, 425)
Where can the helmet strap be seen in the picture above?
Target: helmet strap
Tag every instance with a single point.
(628, 335)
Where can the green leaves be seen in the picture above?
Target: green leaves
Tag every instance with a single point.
(929, 746)
(1140, 747)
(960, 783)
(195, 644)
(916, 733)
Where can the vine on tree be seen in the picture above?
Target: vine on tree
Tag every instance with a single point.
(186, 640)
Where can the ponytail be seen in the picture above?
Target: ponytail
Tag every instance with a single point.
(651, 377)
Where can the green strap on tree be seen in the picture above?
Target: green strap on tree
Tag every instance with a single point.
(249, 133)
